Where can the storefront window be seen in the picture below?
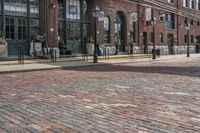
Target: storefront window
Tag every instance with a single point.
(34, 7)
(61, 30)
(18, 6)
(22, 29)
(61, 8)
(73, 9)
(10, 30)
(85, 10)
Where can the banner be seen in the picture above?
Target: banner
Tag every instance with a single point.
(148, 14)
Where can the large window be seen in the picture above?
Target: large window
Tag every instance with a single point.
(73, 9)
(17, 6)
(10, 28)
(34, 7)
(106, 29)
(61, 8)
(22, 29)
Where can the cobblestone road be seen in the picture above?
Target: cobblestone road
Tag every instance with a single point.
(156, 97)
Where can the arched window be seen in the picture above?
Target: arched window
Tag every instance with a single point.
(106, 29)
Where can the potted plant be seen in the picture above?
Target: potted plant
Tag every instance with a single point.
(39, 45)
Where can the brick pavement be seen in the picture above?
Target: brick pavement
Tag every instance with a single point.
(153, 97)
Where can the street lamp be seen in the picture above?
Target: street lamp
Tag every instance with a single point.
(95, 13)
(153, 22)
(188, 39)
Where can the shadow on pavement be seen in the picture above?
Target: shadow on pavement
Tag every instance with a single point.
(171, 70)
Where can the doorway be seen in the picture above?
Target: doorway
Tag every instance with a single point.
(16, 34)
(145, 43)
(120, 31)
(170, 42)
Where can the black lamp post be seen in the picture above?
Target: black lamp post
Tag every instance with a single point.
(95, 13)
(188, 39)
(153, 22)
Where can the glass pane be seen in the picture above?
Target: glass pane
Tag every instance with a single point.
(16, 6)
(73, 9)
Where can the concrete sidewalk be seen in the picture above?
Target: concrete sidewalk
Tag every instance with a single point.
(47, 65)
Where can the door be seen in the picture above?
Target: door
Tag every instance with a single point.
(145, 43)
(16, 34)
(170, 42)
(73, 37)
(120, 31)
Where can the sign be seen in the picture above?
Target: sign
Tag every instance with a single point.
(134, 17)
(38, 47)
(100, 16)
(73, 9)
(148, 14)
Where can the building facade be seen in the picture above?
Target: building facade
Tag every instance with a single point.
(125, 23)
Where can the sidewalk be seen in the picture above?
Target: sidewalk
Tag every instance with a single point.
(61, 64)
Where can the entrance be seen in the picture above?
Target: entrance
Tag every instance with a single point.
(120, 31)
(145, 42)
(75, 34)
(16, 34)
(170, 42)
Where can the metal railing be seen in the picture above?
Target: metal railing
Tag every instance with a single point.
(20, 54)
(53, 55)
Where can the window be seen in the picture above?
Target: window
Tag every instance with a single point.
(170, 1)
(19, 6)
(106, 29)
(22, 29)
(61, 30)
(34, 7)
(185, 38)
(197, 5)
(186, 21)
(61, 8)
(191, 22)
(161, 38)
(34, 23)
(191, 4)
(185, 3)
(198, 23)
(170, 20)
(10, 28)
(152, 37)
(192, 39)
(73, 9)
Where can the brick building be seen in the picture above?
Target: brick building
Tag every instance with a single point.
(125, 22)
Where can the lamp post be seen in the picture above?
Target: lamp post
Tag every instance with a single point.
(95, 13)
(153, 22)
(188, 39)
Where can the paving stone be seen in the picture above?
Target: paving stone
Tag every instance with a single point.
(150, 97)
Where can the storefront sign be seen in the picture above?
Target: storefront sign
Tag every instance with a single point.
(73, 9)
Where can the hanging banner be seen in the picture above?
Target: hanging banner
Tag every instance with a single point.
(148, 14)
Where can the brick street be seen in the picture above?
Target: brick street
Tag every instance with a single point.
(142, 97)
